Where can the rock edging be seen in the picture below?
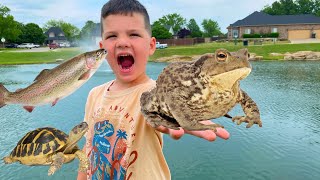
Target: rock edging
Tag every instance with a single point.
(300, 55)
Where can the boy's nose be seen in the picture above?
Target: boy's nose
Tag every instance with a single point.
(123, 43)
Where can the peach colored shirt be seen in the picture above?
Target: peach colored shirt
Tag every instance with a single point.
(119, 143)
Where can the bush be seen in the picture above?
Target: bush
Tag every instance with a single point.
(267, 35)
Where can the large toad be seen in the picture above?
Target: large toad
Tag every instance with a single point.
(189, 92)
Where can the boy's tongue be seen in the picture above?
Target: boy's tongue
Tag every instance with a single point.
(126, 62)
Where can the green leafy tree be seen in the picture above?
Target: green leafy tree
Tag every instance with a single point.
(291, 7)
(194, 28)
(211, 28)
(282, 7)
(305, 6)
(87, 30)
(316, 10)
(176, 21)
(159, 31)
(70, 31)
(9, 28)
(31, 33)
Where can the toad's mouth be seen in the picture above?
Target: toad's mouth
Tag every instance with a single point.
(125, 62)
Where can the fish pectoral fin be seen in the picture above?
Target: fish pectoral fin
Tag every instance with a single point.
(43, 73)
(85, 76)
(29, 108)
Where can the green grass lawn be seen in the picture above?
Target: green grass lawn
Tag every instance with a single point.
(260, 50)
(9, 56)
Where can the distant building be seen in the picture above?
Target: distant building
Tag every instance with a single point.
(288, 26)
(55, 35)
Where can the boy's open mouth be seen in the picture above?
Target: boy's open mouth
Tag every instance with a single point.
(125, 61)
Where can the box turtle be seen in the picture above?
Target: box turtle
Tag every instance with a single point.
(50, 146)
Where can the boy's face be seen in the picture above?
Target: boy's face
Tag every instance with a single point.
(128, 45)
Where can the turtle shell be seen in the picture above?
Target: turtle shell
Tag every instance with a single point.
(40, 142)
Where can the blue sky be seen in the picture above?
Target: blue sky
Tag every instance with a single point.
(77, 12)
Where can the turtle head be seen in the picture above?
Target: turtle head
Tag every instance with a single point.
(77, 132)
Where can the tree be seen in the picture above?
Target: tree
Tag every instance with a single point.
(9, 28)
(305, 6)
(87, 30)
(159, 31)
(283, 7)
(194, 28)
(290, 7)
(32, 33)
(183, 33)
(211, 28)
(174, 20)
(70, 31)
(316, 10)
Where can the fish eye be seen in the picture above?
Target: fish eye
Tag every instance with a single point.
(221, 56)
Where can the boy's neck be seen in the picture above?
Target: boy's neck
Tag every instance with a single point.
(118, 85)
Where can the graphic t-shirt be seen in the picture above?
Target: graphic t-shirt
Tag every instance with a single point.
(119, 143)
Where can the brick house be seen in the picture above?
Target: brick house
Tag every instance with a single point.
(290, 27)
(55, 35)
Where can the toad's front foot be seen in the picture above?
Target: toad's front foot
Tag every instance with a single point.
(249, 120)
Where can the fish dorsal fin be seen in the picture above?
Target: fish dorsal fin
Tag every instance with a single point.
(42, 74)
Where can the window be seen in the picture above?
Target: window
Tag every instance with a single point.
(274, 30)
(247, 31)
(51, 34)
(235, 33)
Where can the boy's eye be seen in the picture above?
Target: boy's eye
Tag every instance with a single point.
(135, 34)
(110, 36)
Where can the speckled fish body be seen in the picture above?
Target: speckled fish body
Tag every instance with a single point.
(54, 84)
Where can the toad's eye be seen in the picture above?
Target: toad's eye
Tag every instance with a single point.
(221, 56)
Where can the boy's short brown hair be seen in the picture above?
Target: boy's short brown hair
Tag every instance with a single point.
(125, 7)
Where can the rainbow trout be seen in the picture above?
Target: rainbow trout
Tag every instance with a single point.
(54, 84)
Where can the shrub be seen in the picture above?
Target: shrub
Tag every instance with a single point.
(267, 35)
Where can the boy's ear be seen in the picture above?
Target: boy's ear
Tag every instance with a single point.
(100, 44)
(152, 46)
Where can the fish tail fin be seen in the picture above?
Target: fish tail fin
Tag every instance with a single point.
(3, 93)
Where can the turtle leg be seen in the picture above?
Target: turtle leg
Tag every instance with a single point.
(84, 161)
(8, 160)
(57, 161)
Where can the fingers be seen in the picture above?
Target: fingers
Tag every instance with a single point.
(208, 135)
(162, 129)
(222, 133)
(175, 134)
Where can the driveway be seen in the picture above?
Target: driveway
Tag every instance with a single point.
(301, 41)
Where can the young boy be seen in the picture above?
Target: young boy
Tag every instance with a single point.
(120, 144)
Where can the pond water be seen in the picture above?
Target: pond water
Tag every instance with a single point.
(286, 147)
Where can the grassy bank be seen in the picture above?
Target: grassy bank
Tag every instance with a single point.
(11, 57)
(260, 50)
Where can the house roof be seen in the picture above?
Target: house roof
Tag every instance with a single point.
(55, 30)
(261, 18)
